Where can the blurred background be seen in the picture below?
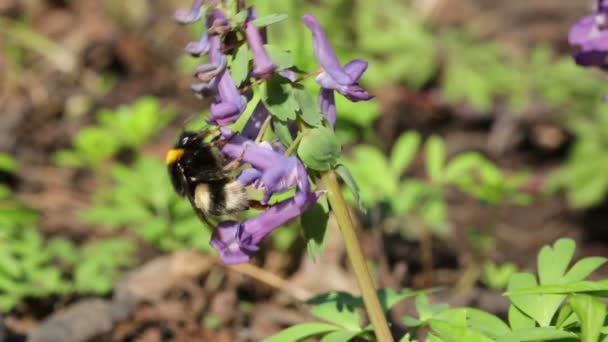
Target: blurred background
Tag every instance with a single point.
(484, 143)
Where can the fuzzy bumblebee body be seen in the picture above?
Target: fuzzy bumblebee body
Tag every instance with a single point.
(197, 173)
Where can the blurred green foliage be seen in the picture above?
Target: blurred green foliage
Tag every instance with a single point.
(143, 200)
(32, 265)
(127, 127)
(423, 200)
(584, 173)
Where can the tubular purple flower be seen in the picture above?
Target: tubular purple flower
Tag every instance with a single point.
(263, 66)
(590, 35)
(323, 51)
(334, 77)
(188, 16)
(236, 241)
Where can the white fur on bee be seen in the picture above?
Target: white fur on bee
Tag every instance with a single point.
(235, 198)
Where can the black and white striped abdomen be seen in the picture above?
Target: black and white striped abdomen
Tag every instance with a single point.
(220, 198)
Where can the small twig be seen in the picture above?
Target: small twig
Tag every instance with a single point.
(294, 144)
(270, 279)
(310, 74)
(251, 85)
(263, 129)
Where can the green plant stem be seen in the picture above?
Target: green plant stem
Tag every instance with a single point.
(355, 255)
(294, 144)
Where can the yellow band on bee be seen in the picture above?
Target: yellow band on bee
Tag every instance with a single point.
(174, 155)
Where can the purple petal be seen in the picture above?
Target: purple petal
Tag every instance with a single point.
(263, 66)
(355, 68)
(217, 22)
(187, 16)
(327, 103)
(289, 74)
(199, 48)
(324, 53)
(591, 58)
(206, 72)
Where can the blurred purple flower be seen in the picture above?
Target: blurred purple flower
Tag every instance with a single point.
(273, 172)
(188, 16)
(334, 77)
(263, 66)
(217, 22)
(199, 48)
(216, 79)
(590, 35)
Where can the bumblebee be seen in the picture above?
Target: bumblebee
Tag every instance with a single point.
(198, 172)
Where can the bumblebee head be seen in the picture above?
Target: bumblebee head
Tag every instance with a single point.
(186, 139)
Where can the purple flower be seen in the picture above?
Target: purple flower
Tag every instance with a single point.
(188, 16)
(237, 242)
(262, 64)
(229, 103)
(334, 77)
(273, 172)
(217, 23)
(199, 48)
(590, 34)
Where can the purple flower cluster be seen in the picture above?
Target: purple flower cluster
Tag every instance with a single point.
(590, 35)
(269, 168)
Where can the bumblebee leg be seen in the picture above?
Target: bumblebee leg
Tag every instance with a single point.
(257, 205)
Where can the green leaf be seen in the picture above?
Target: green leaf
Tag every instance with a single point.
(269, 19)
(239, 68)
(591, 313)
(314, 226)
(575, 287)
(281, 58)
(537, 334)
(281, 130)
(338, 308)
(540, 307)
(279, 99)
(301, 331)
(435, 158)
(462, 165)
(319, 149)
(452, 333)
(340, 336)
(403, 152)
(553, 262)
(485, 323)
(518, 319)
(351, 184)
(389, 297)
(583, 268)
(308, 111)
(7, 163)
